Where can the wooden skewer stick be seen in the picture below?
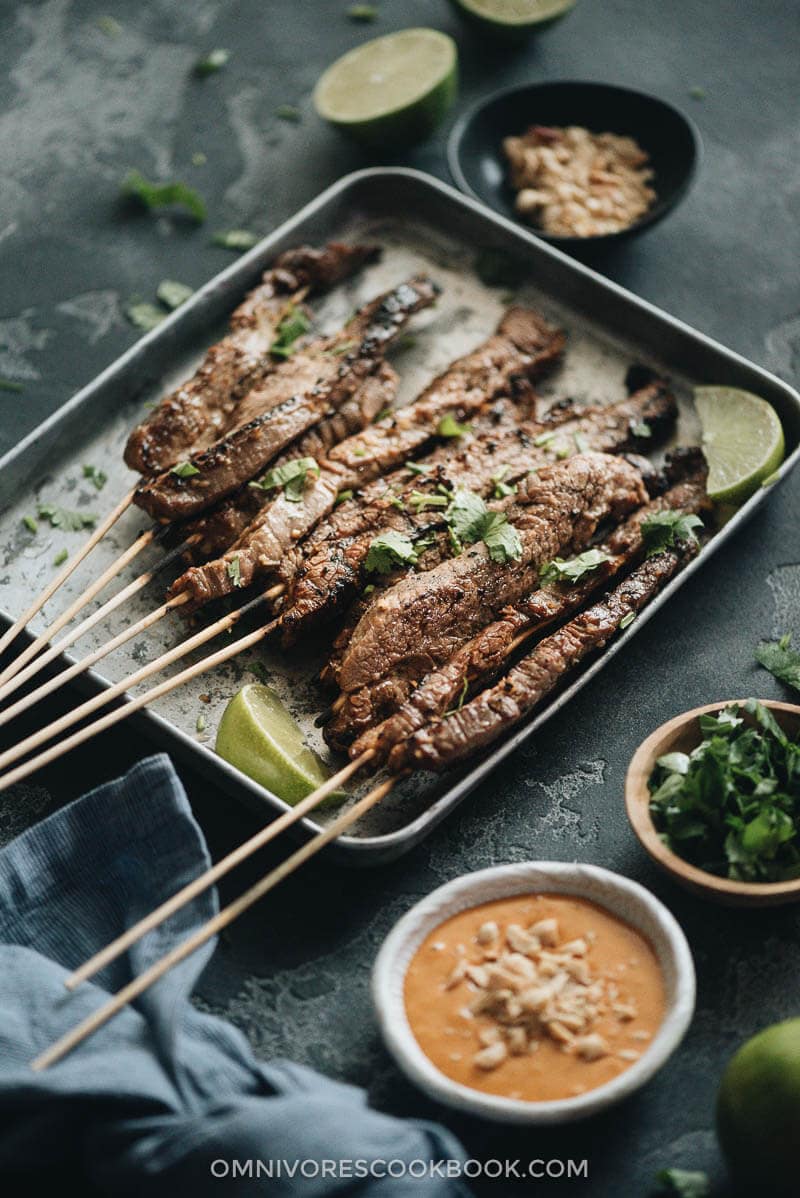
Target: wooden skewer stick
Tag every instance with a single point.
(16, 628)
(133, 704)
(225, 917)
(79, 630)
(91, 659)
(77, 605)
(114, 692)
(190, 891)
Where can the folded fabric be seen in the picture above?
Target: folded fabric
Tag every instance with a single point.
(163, 1096)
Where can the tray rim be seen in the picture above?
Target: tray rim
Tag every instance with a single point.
(377, 849)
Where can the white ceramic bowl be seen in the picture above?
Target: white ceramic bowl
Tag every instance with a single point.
(618, 895)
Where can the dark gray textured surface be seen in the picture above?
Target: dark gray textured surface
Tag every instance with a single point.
(78, 107)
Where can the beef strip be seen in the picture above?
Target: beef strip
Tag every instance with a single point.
(331, 575)
(310, 386)
(423, 620)
(482, 720)
(192, 417)
(479, 659)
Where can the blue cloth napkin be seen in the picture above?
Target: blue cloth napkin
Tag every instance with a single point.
(164, 1096)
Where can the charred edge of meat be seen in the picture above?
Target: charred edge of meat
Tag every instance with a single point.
(328, 266)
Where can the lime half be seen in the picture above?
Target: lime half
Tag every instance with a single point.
(393, 90)
(742, 441)
(514, 17)
(258, 736)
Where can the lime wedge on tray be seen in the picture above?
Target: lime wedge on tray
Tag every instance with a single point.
(258, 735)
(742, 440)
(513, 17)
(393, 90)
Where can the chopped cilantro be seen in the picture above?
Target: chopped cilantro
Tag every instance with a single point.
(543, 439)
(364, 13)
(164, 195)
(502, 488)
(288, 112)
(450, 427)
(10, 385)
(640, 428)
(360, 452)
(562, 452)
(98, 477)
(336, 351)
(60, 517)
(292, 476)
(200, 723)
(199, 158)
(60, 557)
(214, 61)
(573, 569)
(234, 570)
(109, 26)
(627, 619)
(781, 660)
(697, 93)
(343, 496)
(294, 324)
(235, 239)
(173, 294)
(389, 550)
(580, 443)
(30, 523)
(383, 414)
(422, 499)
(184, 470)
(470, 520)
(144, 316)
(665, 530)
(260, 670)
(418, 468)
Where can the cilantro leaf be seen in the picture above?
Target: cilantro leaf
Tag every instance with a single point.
(450, 427)
(470, 520)
(343, 496)
(641, 428)
(684, 1183)
(98, 477)
(627, 620)
(362, 13)
(418, 468)
(423, 499)
(164, 195)
(572, 569)
(70, 521)
(30, 523)
(294, 324)
(501, 539)
(234, 570)
(292, 476)
(781, 660)
(389, 550)
(173, 294)
(467, 515)
(235, 239)
(665, 530)
(501, 487)
(11, 385)
(184, 470)
(212, 62)
(288, 112)
(144, 316)
(60, 557)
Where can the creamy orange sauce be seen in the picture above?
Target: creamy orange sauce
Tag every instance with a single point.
(622, 968)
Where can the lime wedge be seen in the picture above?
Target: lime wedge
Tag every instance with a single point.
(513, 17)
(258, 736)
(393, 90)
(742, 441)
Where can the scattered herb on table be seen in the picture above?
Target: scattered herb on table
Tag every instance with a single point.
(11, 385)
(30, 523)
(450, 427)
(364, 13)
(698, 93)
(499, 268)
(212, 62)
(684, 1183)
(184, 470)
(389, 550)
(200, 723)
(261, 672)
(109, 26)
(294, 324)
(164, 195)
(781, 660)
(144, 316)
(173, 294)
(234, 570)
(288, 112)
(292, 476)
(69, 521)
(732, 805)
(98, 477)
(574, 568)
(664, 530)
(235, 239)
(60, 557)
(199, 158)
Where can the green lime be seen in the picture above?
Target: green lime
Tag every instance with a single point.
(393, 90)
(513, 18)
(742, 440)
(758, 1111)
(258, 736)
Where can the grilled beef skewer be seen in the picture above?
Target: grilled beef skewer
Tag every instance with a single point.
(483, 656)
(195, 415)
(313, 384)
(425, 618)
(332, 575)
(482, 720)
(266, 542)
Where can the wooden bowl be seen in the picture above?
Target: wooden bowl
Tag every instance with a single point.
(682, 734)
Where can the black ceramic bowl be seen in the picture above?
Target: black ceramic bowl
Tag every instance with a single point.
(478, 164)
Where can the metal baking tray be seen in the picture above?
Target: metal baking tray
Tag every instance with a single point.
(423, 224)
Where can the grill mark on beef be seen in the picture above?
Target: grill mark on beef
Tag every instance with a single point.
(556, 511)
(482, 720)
(487, 653)
(199, 411)
(606, 429)
(310, 386)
